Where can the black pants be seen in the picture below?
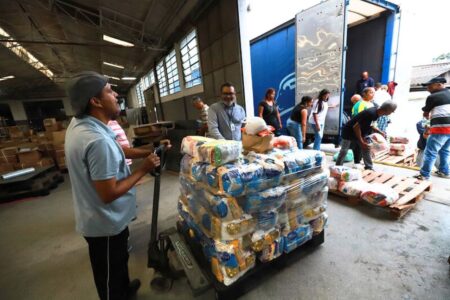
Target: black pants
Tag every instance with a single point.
(109, 261)
(357, 152)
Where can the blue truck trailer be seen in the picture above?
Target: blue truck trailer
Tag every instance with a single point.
(326, 46)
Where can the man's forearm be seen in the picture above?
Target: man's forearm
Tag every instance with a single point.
(133, 153)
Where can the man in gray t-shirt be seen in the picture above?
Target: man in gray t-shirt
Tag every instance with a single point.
(102, 184)
(225, 118)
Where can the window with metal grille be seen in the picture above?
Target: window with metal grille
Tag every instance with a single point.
(140, 95)
(172, 72)
(190, 60)
(162, 81)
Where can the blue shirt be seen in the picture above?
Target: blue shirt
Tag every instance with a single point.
(225, 122)
(92, 153)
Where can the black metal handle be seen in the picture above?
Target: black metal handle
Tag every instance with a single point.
(160, 151)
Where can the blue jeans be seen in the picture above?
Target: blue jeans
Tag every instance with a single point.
(295, 130)
(436, 144)
(317, 136)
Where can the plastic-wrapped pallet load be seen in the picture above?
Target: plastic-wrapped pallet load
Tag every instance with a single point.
(243, 207)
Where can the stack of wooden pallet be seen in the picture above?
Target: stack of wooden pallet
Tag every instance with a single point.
(411, 191)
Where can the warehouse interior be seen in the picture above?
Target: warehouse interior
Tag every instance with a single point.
(157, 56)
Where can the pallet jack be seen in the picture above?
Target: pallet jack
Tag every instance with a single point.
(168, 252)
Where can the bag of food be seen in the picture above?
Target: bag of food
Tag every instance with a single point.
(377, 144)
(297, 237)
(284, 142)
(219, 152)
(268, 199)
(348, 157)
(333, 183)
(190, 144)
(398, 146)
(399, 140)
(353, 188)
(379, 194)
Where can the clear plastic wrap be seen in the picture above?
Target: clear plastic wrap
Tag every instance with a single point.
(214, 152)
(219, 152)
(318, 224)
(218, 228)
(297, 237)
(268, 199)
(190, 144)
(345, 173)
(273, 167)
(266, 219)
(333, 183)
(379, 194)
(263, 238)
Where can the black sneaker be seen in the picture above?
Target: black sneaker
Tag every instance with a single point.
(442, 174)
(421, 177)
(133, 287)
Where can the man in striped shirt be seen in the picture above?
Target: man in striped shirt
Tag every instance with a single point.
(437, 108)
(197, 102)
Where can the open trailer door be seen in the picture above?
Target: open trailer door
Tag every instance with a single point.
(320, 57)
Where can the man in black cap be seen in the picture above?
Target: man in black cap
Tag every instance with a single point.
(437, 109)
(102, 184)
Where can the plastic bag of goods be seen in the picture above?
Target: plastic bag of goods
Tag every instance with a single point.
(353, 188)
(345, 173)
(190, 144)
(396, 152)
(266, 219)
(187, 186)
(221, 206)
(272, 166)
(228, 275)
(315, 183)
(377, 143)
(225, 179)
(398, 146)
(252, 175)
(267, 244)
(399, 140)
(219, 152)
(284, 142)
(318, 224)
(348, 157)
(297, 237)
(333, 183)
(226, 230)
(268, 199)
(380, 195)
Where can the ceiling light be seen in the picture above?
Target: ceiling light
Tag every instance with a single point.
(112, 77)
(128, 78)
(116, 41)
(23, 53)
(6, 77)
(113, 65)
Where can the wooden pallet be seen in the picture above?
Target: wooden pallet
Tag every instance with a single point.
(410, 190)
(407, 160)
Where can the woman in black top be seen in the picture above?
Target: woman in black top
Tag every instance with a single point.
(296, 124)
(268, 110)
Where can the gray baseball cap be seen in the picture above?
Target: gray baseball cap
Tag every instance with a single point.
(82, 87)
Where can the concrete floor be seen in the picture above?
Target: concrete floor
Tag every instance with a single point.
(365, 254)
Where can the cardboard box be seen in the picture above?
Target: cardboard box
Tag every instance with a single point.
(49, 122)
(147, 130)
(6, 167)
(58, 137)
(52, 125)
(10, 159)
(256, 143)
(29, 156)
(44, 162)
(61, 163)
(8, 151)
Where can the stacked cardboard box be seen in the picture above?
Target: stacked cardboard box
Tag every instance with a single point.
(52, 125)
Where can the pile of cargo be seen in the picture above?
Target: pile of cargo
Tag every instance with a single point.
(25, 149)
(254, 207)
